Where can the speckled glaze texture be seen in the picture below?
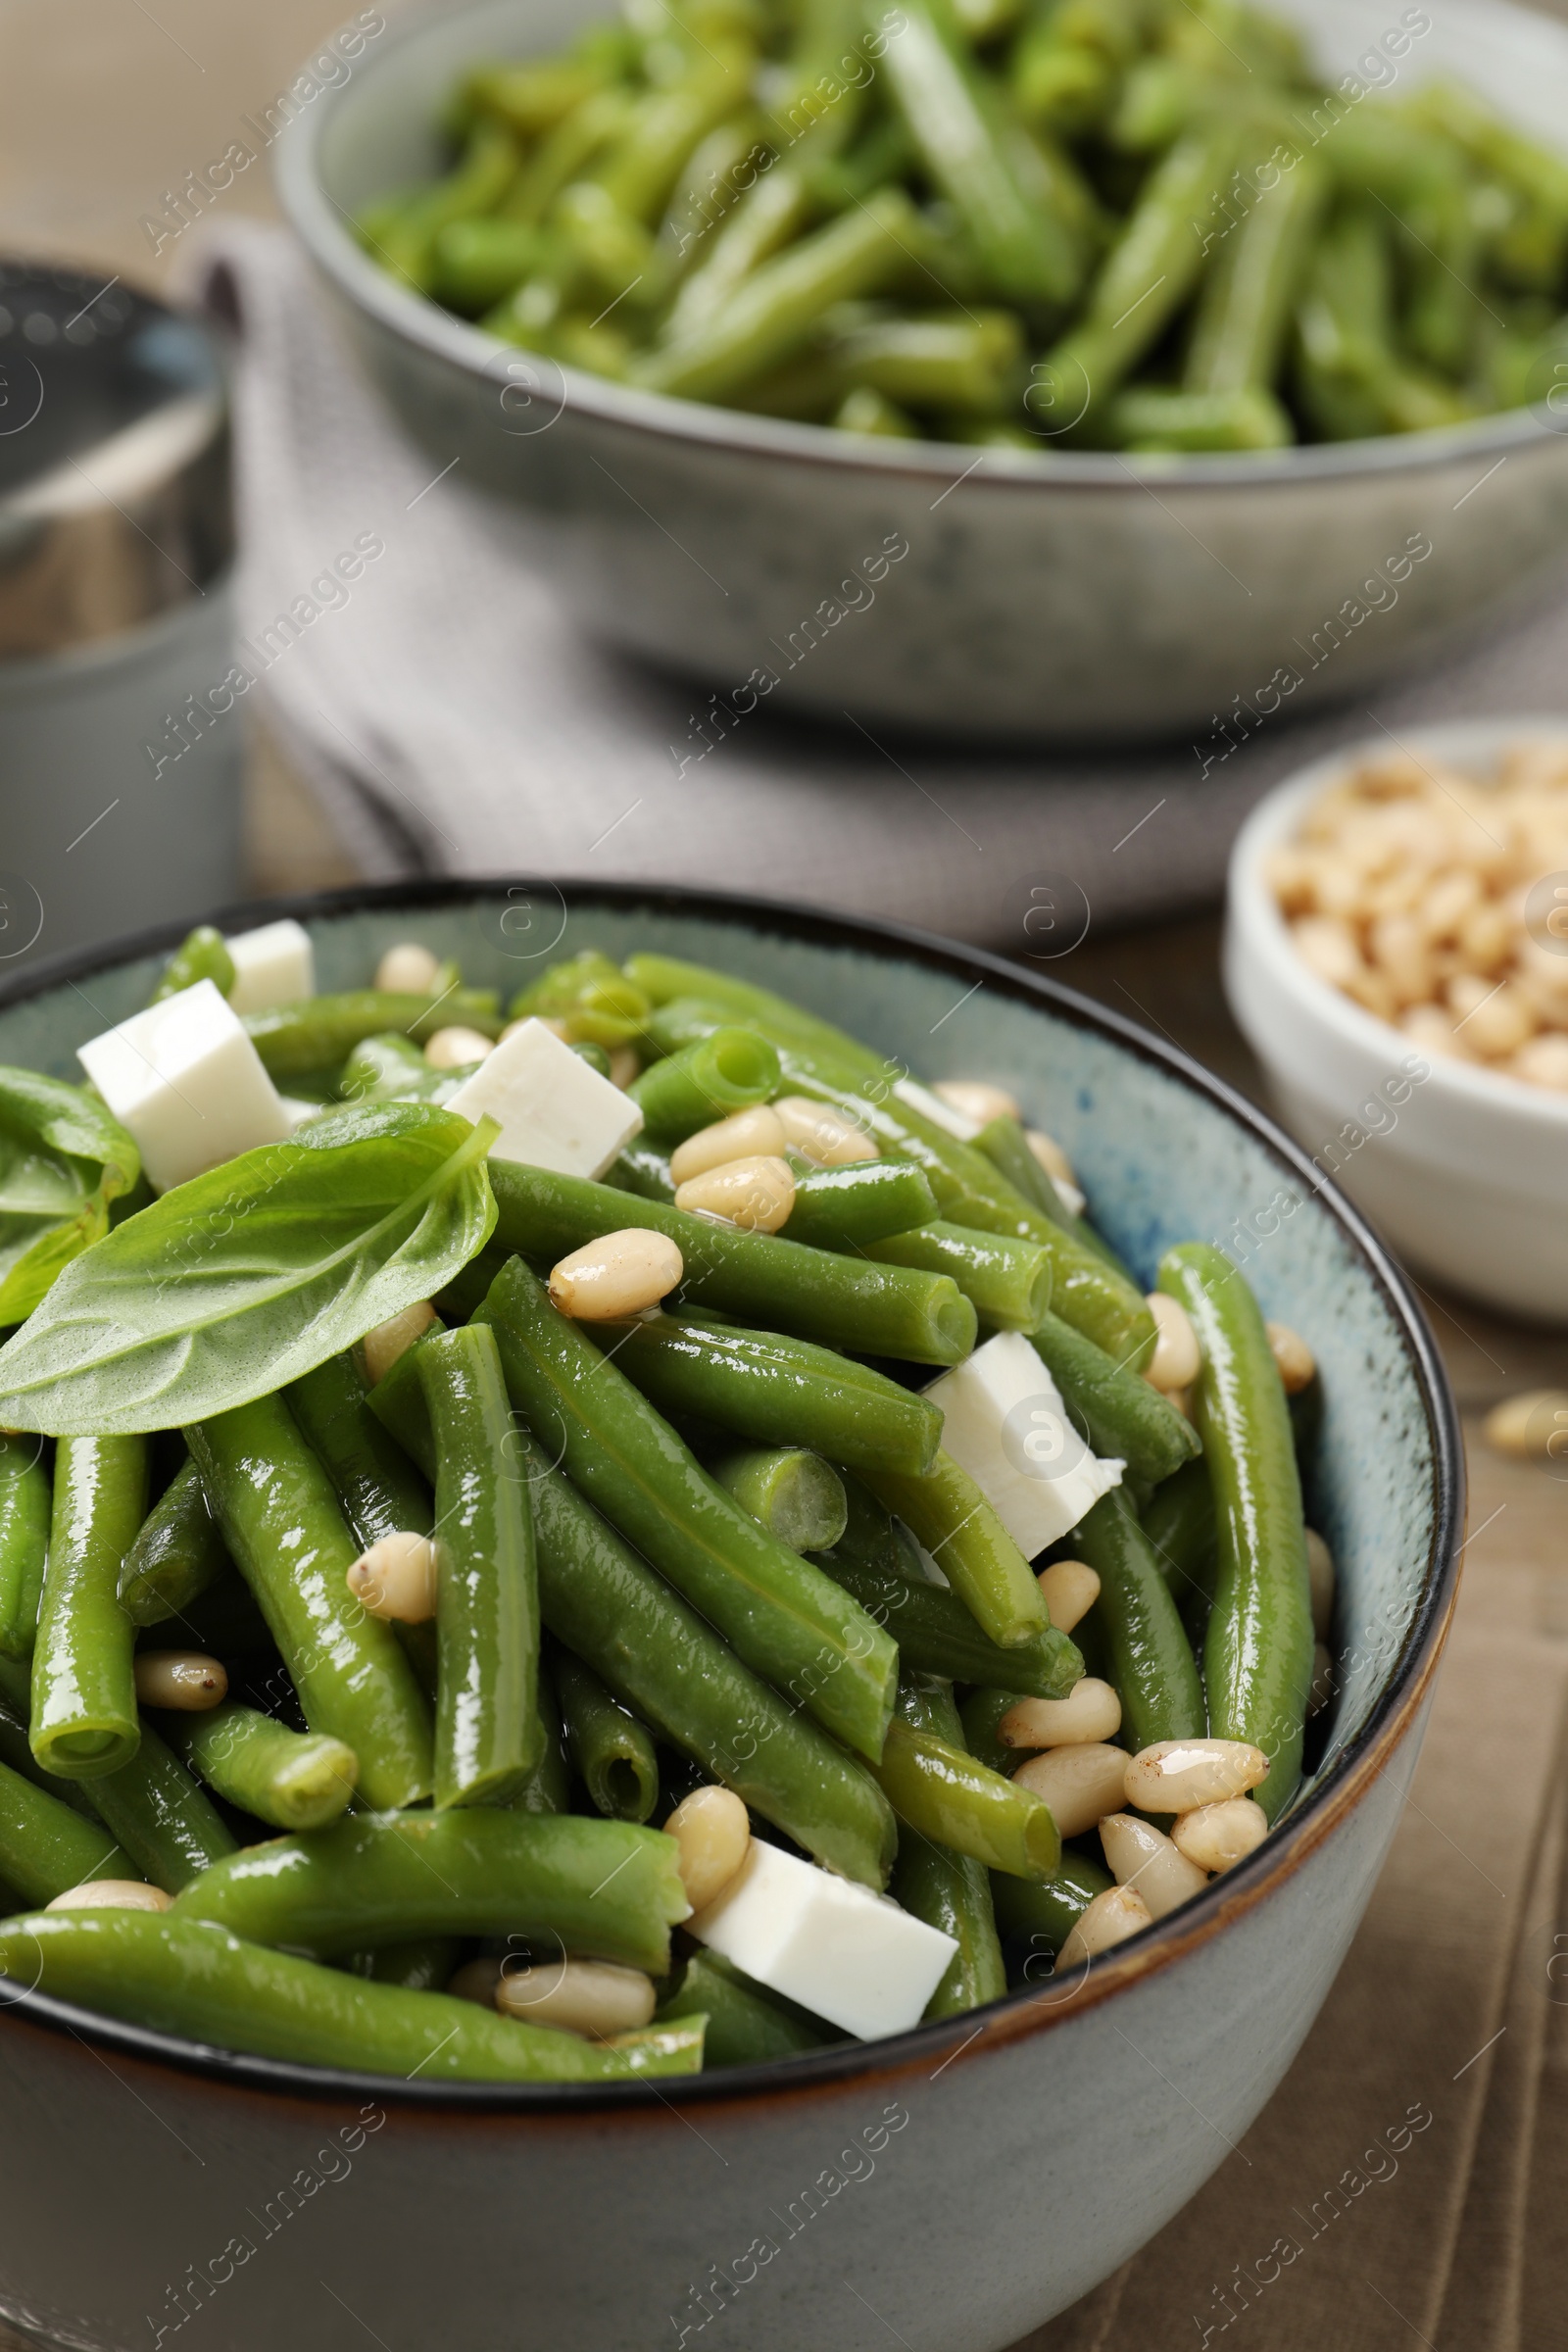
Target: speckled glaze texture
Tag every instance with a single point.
(1067, 596)
(956, 2186)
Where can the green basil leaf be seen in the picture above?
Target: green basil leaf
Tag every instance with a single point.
(249, 1277)
(63, 1159)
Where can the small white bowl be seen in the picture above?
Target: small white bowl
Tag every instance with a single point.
(1465, 1171)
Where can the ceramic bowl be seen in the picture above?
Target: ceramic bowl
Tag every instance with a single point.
(1465, 1170)
(954, 2185)
(1065, 597)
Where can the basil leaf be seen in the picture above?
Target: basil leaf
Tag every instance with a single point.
(63, 1159)
(249, 1277)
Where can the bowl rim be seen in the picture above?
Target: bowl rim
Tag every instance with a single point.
(1019, 2012)
(414, 318)
(1255, 912)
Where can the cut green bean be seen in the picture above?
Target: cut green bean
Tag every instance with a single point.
(378, 1488)
(981, 1713)
(293, 1779)
(26, 1504)
(475, 1871)
(388, 1068)
(162, 1818)
(948, 1515)
(795, 1496)
(424, 1963)
(613, 1752)
(1006, 1282)
(1120, 1415)
(747, 2023)
(941, 1792)
(1252, 286)
(47, 1847)
(1157, 420)
(1004, 1142)
(177, 1551)
(936, 1634)
(1044, 1912)
(547, 1787)
(202, 955)
(1179, 1523)
(85, 1718)
(281, 1522)
(1149, 1658)
(643, 1168)
(949, 1890)
(850, 1208)
(720, 1075)
(320, 1034)
(184, 1977)
(488, 1736)
(1257, 1650)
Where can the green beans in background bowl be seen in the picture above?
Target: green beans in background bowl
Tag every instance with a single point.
(1059, 593)
(914, 2166)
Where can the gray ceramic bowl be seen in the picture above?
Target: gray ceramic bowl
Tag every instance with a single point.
(1064, 596)
(956, 2186)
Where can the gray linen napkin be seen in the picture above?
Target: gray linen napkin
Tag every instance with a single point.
(452, 717)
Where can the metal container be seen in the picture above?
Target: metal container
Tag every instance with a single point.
(120, 755)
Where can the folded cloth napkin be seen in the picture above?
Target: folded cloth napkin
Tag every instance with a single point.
(451, 715)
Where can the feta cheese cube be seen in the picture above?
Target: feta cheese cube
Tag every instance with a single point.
(843, 1953)
(555, 1110)
(1003, 1421)
(921, 1097)
(274, 965)
(187, 1082)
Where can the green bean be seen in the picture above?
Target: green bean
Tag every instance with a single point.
(1047, 1911)
(1351, 378)
(711, 1080)
(85, 1718)
(747, 2023)
(475, 1871)
(1179, 1524)
(1149, 1657)
(863, 411)
(1251, 290)
(796, 1495)
(294, 1780)
(476, 264)
(961, 362)
(162, 1818)
(963, 141)
(281, 1522)
(176, 1553)
(644, 1169)
(981, 1713)
(1004, 1142)
(640, 168)
(547, 1787)
(949, 1890)
(322, 1032)
(1159, 419)
(47, 1847)
(948, 1515)
(940, 1792)
(775, 311)
(184, 1977)
(1123, 1418)
(1008, 1283)
(936, 1634)
(613, 1752)
(1068, 62)
(711, 186)
(488, 1736)
(378, 1488)
(401, 230)
(772, 209)
(850, 1208)
(26, 1505)
(837, 1302)
(788, 1621)
(388, 1068)
(202, 955)
(424, 1963)
(590, 996)
(531, 96)
(1257, 1650)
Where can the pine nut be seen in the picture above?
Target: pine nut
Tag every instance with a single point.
(591, 1998)
(1298, 1365)
(819, 1133)
(1136, 1854)
(1091, 1711)
(1070, 1590)
(756, 1134)
(408, 970)
(1051, 1155)
(756, 1195)
(1175, 1774)
(454, 1048)
(714, 1833)
(477, 1981)
(185, 1679)
(978, 1099)
(1108, 1920)
(110, 1894)
(625, 1064)
(1544, 1062)
(389, 1340)
(1176, 1361)
(1081, 1784)
(1322, 1690)
(1531, 1426)
(1320, 1576)
(1217, 1837)
(620, 1274)
(396, 1578)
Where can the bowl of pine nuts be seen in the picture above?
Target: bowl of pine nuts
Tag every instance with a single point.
(1396, 954)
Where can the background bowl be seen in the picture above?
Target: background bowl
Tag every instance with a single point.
(956, 2184)
(1069, 597)
(1468, 1174)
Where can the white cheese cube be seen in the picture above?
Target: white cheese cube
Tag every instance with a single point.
(921, 1097)
(187, 1082)
(274, 965)
(843, 1953)
(555, 1110)
(1003, 1421)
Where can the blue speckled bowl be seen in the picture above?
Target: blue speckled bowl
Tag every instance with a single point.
(953, 2187)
